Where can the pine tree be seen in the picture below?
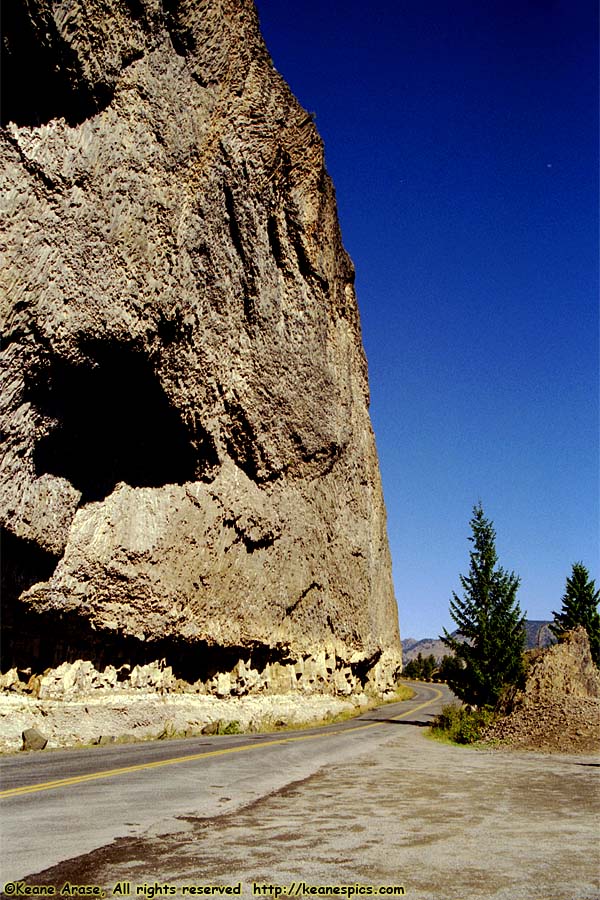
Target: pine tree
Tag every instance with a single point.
(447, 669)
(429, 667)
(579, 607)
(420, 667)
(489, 646)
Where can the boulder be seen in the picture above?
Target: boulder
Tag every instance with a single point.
(34, 740)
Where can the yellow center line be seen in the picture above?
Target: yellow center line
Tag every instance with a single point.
(109, 773)
(438, 696)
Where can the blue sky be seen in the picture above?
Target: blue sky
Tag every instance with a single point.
(462, 140)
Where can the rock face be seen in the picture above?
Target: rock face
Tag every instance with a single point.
(189, 470)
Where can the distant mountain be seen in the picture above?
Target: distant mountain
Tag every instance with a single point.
(537, 634)
(411, 649)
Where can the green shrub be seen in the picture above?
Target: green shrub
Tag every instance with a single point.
(229, 728)
(461, 724)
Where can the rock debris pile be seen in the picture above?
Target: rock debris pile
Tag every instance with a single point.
(559, 708)
(137, 715)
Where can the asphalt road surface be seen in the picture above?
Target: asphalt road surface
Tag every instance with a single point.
(66, 803)
(368, 803)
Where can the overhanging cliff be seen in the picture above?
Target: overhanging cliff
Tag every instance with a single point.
(189, 469)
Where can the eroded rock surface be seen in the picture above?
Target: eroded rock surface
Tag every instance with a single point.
(189, 468)
(559, 707)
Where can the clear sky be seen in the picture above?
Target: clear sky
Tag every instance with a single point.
(462, 140)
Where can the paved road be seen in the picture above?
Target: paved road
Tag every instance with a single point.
(373, 804)
(60, 805)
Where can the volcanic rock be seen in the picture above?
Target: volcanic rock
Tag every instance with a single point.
(189, 472)
(34, 740)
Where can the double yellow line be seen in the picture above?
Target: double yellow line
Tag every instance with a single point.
(110, 773)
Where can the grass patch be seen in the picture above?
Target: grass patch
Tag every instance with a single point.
(270, 725)
(460, 725)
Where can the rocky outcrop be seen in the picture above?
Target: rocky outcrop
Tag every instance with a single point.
(559, 705)
(319, 672)
(189, 470)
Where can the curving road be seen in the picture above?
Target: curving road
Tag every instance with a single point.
(60, 805)
(365, 805)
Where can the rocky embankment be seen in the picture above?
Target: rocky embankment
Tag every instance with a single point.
(127, 716)
(559, 707)
(76, 703)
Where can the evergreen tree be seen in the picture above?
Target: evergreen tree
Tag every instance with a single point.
(579, 607)
(447, 669)
(429, 667)
(421, 667)
(412, 669)
(491, 640)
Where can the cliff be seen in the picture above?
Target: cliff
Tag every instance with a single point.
(189, 471)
